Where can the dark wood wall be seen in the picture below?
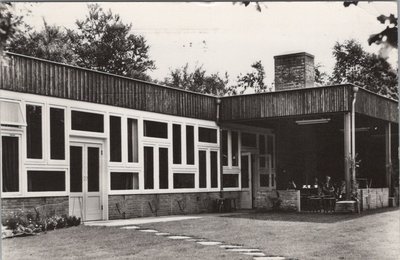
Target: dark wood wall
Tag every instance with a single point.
(35, 76)
(376, 106)
(286, 103)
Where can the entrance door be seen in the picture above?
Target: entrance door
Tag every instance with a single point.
(85, 181)
(246, 196)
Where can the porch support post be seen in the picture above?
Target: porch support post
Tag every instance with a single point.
(347, 153)
(388, 156)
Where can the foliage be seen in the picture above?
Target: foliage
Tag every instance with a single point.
(197, 80)
(51, 43)
(9, 23)
(252, 80)
(106, 44)
(355, 65)
(20, 224)
(389, 34)
(101, 42)
(321, 78)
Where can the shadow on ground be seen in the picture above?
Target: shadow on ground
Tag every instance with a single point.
(313, 217)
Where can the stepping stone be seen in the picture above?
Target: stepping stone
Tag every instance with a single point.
(195, 239)
(244, 250)
(254, 253)
(178, 237)
(148, 230)
(130, 227)
(209, 243)
(230, 246)
(269, 258)
(162, 234)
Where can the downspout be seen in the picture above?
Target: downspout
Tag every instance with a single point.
(353, 140)
(221, 194)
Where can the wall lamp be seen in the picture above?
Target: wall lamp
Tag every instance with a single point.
(313, 121)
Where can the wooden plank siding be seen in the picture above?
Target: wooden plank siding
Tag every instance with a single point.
(36, 76)
(376, 106)
(307, 101)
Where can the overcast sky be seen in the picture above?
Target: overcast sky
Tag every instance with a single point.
(226, 37)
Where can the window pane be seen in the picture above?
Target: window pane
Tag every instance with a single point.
(34, 132)
(231, 180)
(202, 169)
(214, 169)
(10, 163)
(163, 157)
(208, 135)
(261, 144)
(245, 172)
(84, 121)
(224, 147)
(264, 180)
(262, 162)
(249, 140)
(133, 153)
(235, 149)
(93, 169)
(148, 168)
(183, 180)
(124, 181)
(189, 145)
(115, 139)
(75, 172)
(46, 181)
(177, 143)
(155, 129)
(270, 149)
(57, 134)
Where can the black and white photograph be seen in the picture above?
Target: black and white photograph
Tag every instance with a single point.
(249, 130)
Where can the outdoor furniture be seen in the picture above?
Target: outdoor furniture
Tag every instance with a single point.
(328, 204)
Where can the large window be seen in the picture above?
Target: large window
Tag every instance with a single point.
(177, 144)
(224, 147)
(235, 148)
(46, 181)
(34, 132)
(148, 167)
(57, 134)
(133, 154)
(155, 129)
(231, 180)
(249, 140)
(10, 163)
(214, 169)
(202, 169)
(163, 167)
(115, 139)
(183, 180)
(84, 121)
(124, 181)
(189, 145)
(207, 135)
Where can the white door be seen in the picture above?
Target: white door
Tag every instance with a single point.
(246, 195)
(85, 181)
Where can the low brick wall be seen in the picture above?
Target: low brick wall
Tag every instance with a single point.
(288, 200)
(144, 205)
(45, 205)
(373, 198)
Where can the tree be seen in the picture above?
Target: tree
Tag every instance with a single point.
(51, 43)
(197, 80)
(321, 78)
(106, 44)
(9, 23)
(252, 80)
(367, 70)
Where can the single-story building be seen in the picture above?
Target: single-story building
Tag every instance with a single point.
(102, 146)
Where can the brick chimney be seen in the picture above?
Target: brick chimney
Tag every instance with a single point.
(295, 70)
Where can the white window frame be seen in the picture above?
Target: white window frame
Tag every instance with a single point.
(125, 141)
(89, 134)
(15, 133)
(124, 154)
(122, 192)
(45, 152)
(66, 137)
(47, 193)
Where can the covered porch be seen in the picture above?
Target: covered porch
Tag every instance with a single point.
(344, 132)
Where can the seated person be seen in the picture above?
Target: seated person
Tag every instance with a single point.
(327, 188)
(291, 185)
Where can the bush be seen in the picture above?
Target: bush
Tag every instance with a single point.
(27, 224)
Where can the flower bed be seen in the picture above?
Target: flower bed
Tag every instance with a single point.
(20, 224)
